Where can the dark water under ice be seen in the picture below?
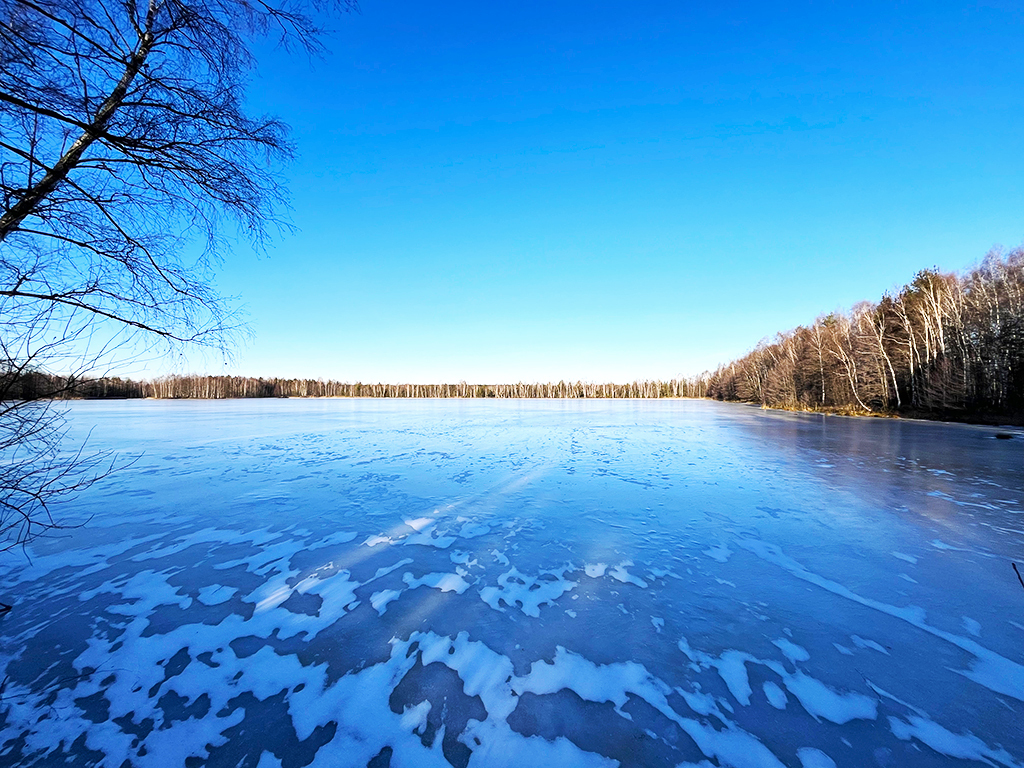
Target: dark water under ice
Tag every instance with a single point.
(522, 583)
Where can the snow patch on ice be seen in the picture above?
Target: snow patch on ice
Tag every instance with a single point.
(446, 582)
(719, 552)
(615, 682)
(972, 626)
(473, 530)
(380, 600)
(203, 536)
(860, 642)
(731, 666)
(500, 557)
(945, 742)
(517, 590)
(810, 757)
(995, 672)
(619, 573)
(820, 701)
(463, 558)
(427, 535)
(775, 695)
(791, 651)
(357, 702)
(215, 594)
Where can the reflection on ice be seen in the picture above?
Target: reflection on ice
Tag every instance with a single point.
(640, 584)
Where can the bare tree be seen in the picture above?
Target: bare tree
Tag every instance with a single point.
(944, 345)
(128, 164)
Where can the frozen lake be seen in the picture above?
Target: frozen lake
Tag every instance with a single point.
(522, 583)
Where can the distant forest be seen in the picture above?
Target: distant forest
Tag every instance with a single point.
(944, 346)
(34, 385)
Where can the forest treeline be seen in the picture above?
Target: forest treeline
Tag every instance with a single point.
(33, 385)
(943, 346)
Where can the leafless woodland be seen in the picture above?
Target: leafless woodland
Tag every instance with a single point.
(945, 345)
(218, 387)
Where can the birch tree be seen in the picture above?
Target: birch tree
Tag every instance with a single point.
(945, 344)
(128, 163)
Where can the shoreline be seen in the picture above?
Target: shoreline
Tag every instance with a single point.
(940, 418)
(916, 416)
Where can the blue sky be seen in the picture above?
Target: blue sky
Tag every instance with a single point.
(598, 191)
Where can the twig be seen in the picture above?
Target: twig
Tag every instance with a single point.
(1021, 580)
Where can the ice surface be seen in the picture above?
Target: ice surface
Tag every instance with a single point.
(810, 757)
(635, 583)
(427, 534)
(341, 537)
(964, 746)
(973, 627)
(989, 669)
(471, 530)
(267, 760)
(719, 552)
(860, 642)
(818, 699)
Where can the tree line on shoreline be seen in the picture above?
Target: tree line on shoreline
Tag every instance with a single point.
(943, 346)
(34, 385)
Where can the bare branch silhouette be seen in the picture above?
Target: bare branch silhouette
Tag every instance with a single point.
(128, 166)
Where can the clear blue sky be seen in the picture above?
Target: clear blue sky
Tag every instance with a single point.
(608, 191)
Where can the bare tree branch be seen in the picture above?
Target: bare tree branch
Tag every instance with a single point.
(127, 156)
